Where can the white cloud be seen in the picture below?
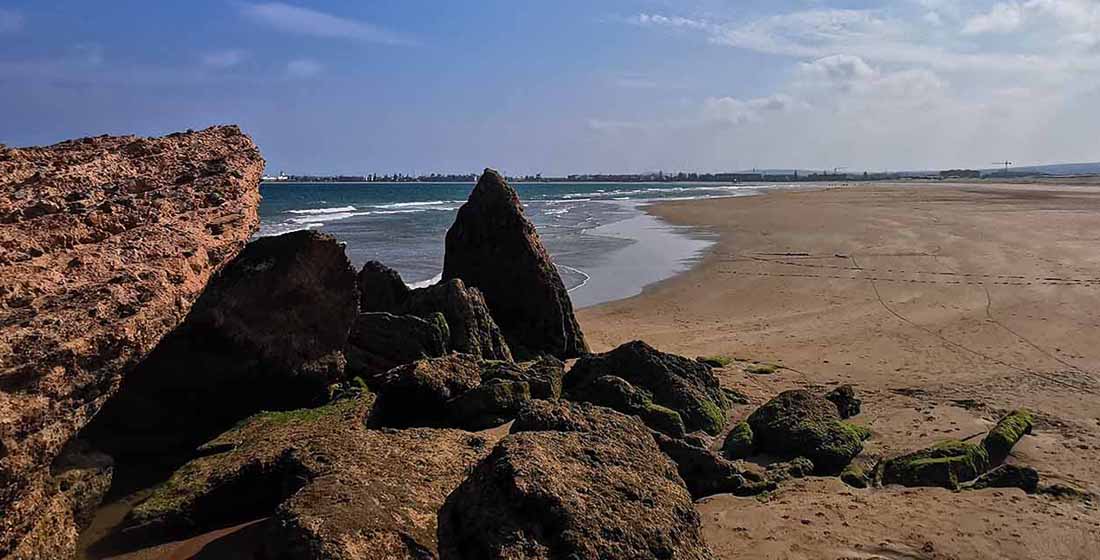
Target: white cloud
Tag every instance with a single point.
(733, 111)
(1002, 18)
(656, 20)
(303, 68)
(223, 59)
(304, 21)
(10, 21)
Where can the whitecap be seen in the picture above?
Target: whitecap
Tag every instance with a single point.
(312, 211)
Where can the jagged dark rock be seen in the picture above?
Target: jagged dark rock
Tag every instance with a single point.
(706, 473)
(381, 289)
(1008, 476)
(493, 247)
(844, 397)
(607, 493)
(337, 489)
(543, 376)
(472, 328)
(460, 391)
(797, 423)
(268, 333)
(380, 342)
(799, 467)
(107, 242)
(682, 385)
(617, 393)
(568, 416)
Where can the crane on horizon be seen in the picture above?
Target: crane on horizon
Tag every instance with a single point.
(1005, 163)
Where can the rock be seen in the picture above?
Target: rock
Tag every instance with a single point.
(567, 416)
(418, 394)
(491, 404)
(268, 333)
(799, 467)
(798, 423)
(1008, 476)
(337, 489)
(844, 397)
(493, 247)
(609, 494)
(543, 376)
(615, 392)
(739, 442)
(380, 342)
(679, 384)
(706, 473)
(998, 443)
(107, 256)
(473, 330)
(1067, 491)
(946, 464)
(381, 289)
(855, 476)
(83, 476)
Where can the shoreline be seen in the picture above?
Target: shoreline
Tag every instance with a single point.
(944, 305)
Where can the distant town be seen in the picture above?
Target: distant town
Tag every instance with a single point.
(767, 176)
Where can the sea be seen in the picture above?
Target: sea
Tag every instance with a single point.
(606, 247)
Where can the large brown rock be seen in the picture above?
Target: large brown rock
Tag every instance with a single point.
(493, 247)
(658, 387)
(381, 289)
(267, 334)
(337, 490)
(105, 243)
(606, 494)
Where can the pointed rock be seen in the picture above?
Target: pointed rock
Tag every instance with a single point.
(493, 247)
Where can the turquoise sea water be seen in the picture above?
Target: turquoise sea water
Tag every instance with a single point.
(605, 247)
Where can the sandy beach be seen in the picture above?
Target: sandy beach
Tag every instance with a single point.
(945, 306)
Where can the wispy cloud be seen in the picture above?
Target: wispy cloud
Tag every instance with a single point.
(223, 59)
(10, 21)
(1002, 18)
(304, 21)
(303, 68)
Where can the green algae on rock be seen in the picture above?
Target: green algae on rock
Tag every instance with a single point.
(945, 464)
(1003, 437)
(739, 442)
(798, 423)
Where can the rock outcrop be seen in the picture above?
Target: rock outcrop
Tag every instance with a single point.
(462, 392)
(473, 330)
(844, 397)
(606, 493)
(337, 489)
(1008, 476)
(800, 424)
(106, 243)
(707, 473)
(380, 342)
(493, 247)
(471, 326)
(677, 385)
(381, 289)
(267, 334)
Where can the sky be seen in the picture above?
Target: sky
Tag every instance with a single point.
(568, 86)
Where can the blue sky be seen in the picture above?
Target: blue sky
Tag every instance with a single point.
(568, 85)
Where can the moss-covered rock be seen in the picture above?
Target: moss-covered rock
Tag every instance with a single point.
(335, 489)
(798, 467)
(677, 383)
(739, 442)
(855, 476)
(1003, 437)
(493, 403)
(716, 361)
(1008, 476)
(619, 394)
(798, 423)
(946, 464)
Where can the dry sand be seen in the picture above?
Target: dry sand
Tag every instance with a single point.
(945, 305)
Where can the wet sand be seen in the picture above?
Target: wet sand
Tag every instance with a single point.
(946, 306)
